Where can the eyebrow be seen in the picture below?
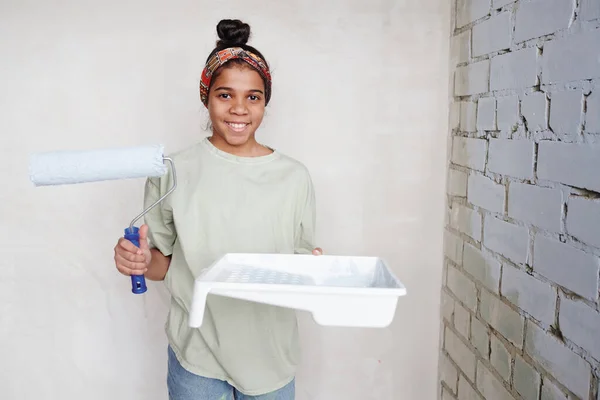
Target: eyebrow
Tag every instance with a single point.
(231, 90)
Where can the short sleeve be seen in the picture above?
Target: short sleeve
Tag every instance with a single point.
(161, 232)
(305, 228)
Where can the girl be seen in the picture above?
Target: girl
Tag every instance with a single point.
(233, 195)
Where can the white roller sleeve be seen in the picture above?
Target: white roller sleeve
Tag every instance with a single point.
(67, 167)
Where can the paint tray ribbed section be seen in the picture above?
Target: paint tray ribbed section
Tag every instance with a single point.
(341, 291)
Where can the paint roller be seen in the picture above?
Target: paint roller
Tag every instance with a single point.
(72, 167)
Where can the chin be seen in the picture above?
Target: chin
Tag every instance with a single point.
(235, 138)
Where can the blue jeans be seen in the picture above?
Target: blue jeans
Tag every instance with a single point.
(184, 385)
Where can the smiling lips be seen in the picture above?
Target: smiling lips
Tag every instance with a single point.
(237, 126)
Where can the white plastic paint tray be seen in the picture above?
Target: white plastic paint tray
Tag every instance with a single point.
(337, 290)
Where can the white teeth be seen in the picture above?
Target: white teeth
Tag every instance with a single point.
(237, 126)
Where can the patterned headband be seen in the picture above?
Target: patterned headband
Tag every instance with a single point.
(229, 54)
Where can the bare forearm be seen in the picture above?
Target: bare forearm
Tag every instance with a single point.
(158, 267)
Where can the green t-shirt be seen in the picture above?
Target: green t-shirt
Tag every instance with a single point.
(229, 204)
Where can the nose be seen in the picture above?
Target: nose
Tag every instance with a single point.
(238, 107)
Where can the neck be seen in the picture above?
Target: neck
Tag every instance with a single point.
(249, 149)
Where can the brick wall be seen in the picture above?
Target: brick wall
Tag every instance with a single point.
(520, 301)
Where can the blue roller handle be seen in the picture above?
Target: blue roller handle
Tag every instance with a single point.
(138, 282)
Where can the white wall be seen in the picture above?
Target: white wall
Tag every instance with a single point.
(360, 96)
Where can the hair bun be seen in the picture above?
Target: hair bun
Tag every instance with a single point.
(232, 32)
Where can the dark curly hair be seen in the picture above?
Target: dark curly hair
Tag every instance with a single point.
(235, 33)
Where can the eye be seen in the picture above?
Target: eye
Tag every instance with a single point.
(254, 97)
(224, 95)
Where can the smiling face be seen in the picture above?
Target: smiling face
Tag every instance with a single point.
(236, 105)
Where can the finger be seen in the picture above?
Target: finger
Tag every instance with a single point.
(144, 237)
(128, 246)
(133, 266)
(124, 270)
(317, 251)
(128, 271)
(129, 256)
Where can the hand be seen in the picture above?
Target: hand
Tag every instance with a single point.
(317, 251)
(131, 260)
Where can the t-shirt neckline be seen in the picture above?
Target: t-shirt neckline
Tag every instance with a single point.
(239, 159)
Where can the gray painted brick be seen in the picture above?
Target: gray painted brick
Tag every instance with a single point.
(567, 367)
(482, 267)
(485, 193)
(457, 183)
(515, 70)
(453, 247)
(486, 114)
(509, 240)
(480, 337)
(565, 111)
(551, 392)
(469, 152)
(462, 320)
(581, 324)
(460, 48)
(466, 391)
(447, 306)
(571, 268)
(468, 116)
(529, 294)
(502, 318)
(454, 117)
(511, 157)
(573, 164)
(526, 380)
(446, 394)
(590, 10)
(572, 58)
(441, 338)
(542, 17)
(460, 354)
(462, 288)
(468, 11)
(583, 220)
(536, 205)
(496, 4)
(472, 79)
(444, 273)
(489, 386)
(507, 112)
(492, 35)
(592, 117)
(500, 358)
(448, 373)
(467, 221)
(533, 108)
